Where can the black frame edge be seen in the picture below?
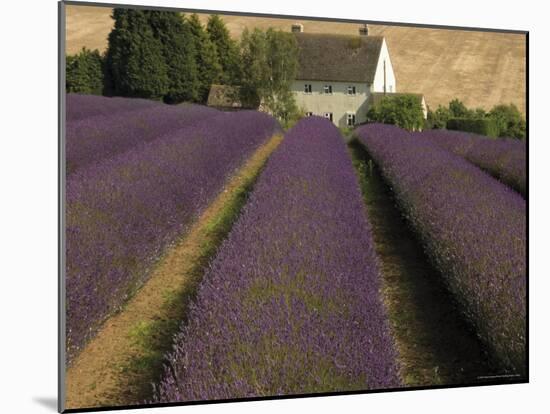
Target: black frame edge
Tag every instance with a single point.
(61, 208)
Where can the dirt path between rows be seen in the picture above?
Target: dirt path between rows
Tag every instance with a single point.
(119, 364)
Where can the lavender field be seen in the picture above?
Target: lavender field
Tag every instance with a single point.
(291, 304)
(290, 285)
(504, 159)
(126, 208)
(472, 226)
(99, 127)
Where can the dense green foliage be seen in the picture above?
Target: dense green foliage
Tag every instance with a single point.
(482, 126)
(134, 57)
(151, 55)
(269, 65)
(226, 48)
(405, 111)
(510, 121)
(163, 55)
(178, 51)
(501, 121)
(458, 110)
(166, 56)
(206, 57)
(254, 66)
(438, 119)
(85, 73)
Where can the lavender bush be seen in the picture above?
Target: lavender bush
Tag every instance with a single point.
(291, 304)
(85, 106)
(504, 159)
(473, 227)
(124, 211)
(94, 138)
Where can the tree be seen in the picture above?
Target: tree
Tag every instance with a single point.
(84, 72)
(501, 121)
(255, 67)
(405, 111)
(510, 121)
(479, 113)
(438, 119)
(206, 58)
(226, 48)
(269, 65)
(134, 57)
(458, 110)
(178, 50)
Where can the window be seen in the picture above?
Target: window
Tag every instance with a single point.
(328, 115)
(307, 88)
(351, 119)
(391, 88)
(309, 113)
(352, 90)
(328, 89)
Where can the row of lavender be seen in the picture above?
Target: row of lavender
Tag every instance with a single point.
(291, 304)
(93, 135)
(472, 226)
(505, 159)
(85, 106)
(124, 210)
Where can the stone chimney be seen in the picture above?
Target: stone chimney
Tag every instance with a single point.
(364, 30)
(297, 28)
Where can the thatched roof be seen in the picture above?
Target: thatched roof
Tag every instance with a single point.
(224, 96)
(345, 58)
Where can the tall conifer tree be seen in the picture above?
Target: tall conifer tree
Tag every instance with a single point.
(178, 50)
(134, 57)
(208, 66)
(227, 49)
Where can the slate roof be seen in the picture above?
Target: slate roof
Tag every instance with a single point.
(345, 58)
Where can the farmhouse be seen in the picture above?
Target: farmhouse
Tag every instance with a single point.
(339, 75)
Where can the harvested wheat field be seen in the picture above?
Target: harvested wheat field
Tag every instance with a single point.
(482, 69)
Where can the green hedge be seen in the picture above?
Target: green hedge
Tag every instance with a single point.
(482, 126)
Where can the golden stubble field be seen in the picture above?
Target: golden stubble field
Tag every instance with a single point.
(480, 68)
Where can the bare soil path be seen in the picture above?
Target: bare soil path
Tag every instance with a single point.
(118, 366)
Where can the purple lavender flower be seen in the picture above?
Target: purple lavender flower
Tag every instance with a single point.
(85, 106)
(291, 304)
(503, 158)
(472, 226)
(129, 122)
(124, 210)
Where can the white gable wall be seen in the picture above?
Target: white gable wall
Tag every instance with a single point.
(378, 84)
(339, 102)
